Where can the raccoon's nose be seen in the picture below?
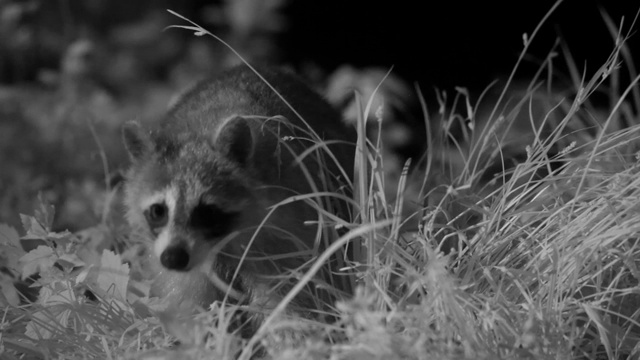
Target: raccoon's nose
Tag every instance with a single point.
(175, 258)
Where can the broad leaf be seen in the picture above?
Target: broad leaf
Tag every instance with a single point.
(9, 235)
(41, 259)
(114, 275)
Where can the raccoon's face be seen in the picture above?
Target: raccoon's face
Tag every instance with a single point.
(187, 196)
(185, 227)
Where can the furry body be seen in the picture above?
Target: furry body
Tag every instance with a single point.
(204, 183)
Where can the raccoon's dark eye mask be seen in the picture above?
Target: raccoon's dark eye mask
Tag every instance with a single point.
(211, 220)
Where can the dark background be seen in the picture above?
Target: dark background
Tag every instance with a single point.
(439, 43)
(453, 43)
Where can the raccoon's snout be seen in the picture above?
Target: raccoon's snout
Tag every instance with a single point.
(175, 258)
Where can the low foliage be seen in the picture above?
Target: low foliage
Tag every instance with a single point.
(475, 251)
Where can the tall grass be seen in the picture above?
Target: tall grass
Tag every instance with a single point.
(471, 254)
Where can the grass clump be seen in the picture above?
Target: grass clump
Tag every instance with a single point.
(514, 237)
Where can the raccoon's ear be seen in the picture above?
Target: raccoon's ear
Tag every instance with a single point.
(234, 139)
(136, 141)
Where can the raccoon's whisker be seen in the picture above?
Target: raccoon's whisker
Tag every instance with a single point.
(296, 254)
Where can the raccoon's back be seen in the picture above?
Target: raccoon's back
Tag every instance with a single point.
(240, 91)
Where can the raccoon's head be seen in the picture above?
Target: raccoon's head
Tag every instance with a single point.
(188, 191)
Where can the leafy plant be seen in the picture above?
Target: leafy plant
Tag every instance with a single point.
(514, 237)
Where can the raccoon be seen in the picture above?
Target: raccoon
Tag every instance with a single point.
(226, 187)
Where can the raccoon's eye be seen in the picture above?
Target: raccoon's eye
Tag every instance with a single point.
(157, 215)
(211, 220)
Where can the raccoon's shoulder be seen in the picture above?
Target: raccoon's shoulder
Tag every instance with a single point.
(240, 91)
